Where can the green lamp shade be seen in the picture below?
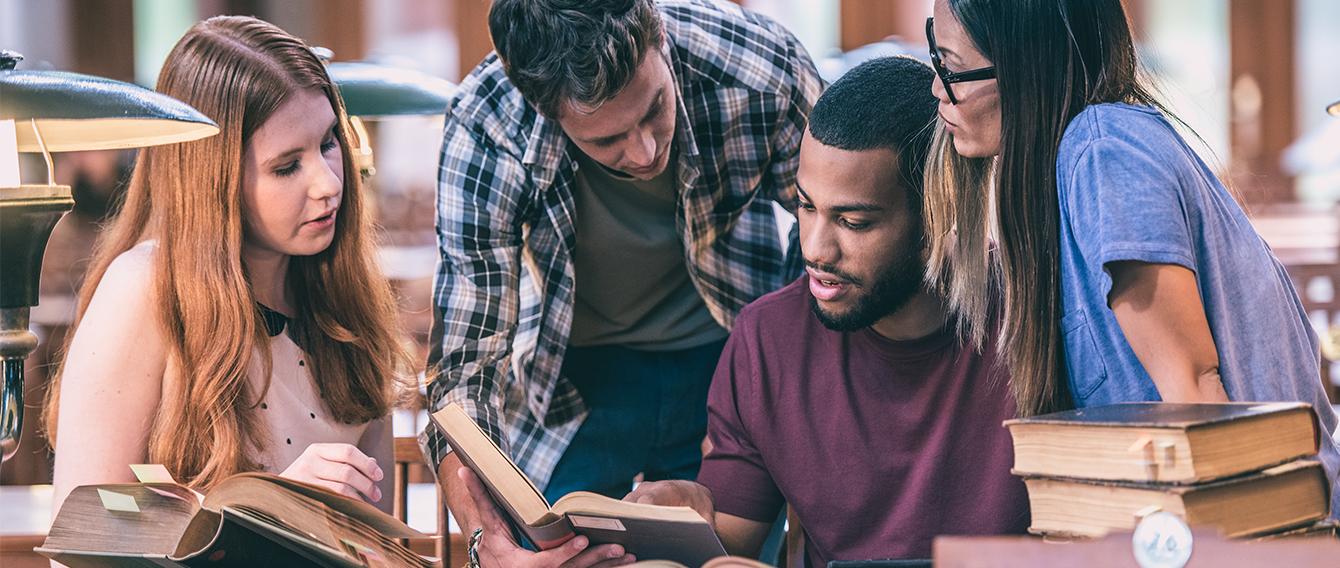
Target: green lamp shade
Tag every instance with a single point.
(76, 112)
(371, 91)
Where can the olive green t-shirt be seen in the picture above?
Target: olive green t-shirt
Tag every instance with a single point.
(633, 286)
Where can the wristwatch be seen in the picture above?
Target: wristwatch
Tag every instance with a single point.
(472, 552)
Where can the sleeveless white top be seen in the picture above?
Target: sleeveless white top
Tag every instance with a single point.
(291, 410)
(290, 413)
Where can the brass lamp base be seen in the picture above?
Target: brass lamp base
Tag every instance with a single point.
(27, 215)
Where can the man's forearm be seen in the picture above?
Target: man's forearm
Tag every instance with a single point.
(458, 500)
(741, 536)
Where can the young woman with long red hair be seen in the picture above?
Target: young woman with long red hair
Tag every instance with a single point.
(233, 318)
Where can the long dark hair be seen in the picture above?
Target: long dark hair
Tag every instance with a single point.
(1053, 58)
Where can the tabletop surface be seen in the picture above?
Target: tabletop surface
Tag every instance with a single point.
(25, 509)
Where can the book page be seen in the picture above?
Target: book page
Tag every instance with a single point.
(584, 503)
(357, 509)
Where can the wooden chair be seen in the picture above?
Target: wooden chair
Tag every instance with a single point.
(794, 555)
(1307, 242)
(411, 463)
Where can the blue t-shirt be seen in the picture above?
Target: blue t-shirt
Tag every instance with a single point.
(1130, 188)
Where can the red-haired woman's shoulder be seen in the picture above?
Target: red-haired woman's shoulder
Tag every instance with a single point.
(132, 269)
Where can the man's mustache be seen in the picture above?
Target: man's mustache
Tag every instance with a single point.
(830, 269)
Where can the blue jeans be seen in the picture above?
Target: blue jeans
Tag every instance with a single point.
(648, 415)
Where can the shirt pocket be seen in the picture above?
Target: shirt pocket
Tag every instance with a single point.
(1084, 362)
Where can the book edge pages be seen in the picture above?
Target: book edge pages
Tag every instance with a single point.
(53, 553)
(72, 500)
(1275, 470)
(357, 510)
(596, 505)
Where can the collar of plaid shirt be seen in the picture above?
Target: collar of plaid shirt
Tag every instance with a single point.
(744, 88)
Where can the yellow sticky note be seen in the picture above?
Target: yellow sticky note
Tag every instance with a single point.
(114, 501)
(152, 473)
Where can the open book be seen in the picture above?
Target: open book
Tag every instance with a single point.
(649, 532)
(249, 519)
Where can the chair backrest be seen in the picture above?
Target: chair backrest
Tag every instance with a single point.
(408, 456)
(1306, 241)
(795, 540)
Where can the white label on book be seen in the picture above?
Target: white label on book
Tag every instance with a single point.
(599, 523)
(1161, 540)
(114, 501)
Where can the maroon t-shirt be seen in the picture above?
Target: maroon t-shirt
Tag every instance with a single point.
(877, 445)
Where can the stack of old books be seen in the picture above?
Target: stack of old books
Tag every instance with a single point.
(1246, 469)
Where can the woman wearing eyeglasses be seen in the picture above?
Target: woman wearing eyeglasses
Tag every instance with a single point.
(1130, 273)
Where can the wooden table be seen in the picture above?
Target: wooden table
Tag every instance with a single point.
(1114, 551)
(25, 516)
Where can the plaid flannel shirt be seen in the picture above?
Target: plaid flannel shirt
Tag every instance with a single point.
(504, 287)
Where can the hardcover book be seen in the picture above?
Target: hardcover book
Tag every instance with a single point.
(1163, 442)
(649, 532)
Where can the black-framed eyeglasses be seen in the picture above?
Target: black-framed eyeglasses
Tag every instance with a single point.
(946, 77)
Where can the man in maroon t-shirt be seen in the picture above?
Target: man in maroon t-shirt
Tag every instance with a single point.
(847, 394)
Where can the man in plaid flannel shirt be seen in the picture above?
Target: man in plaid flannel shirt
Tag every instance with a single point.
(638, 149)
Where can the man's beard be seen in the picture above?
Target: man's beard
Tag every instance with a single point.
(891, 290)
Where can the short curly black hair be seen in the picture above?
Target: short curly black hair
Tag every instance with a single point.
(581, 52)
(882, 103)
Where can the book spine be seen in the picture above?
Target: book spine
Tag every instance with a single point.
(551, 535)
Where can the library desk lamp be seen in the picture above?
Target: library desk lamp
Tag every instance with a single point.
(374, 92)
(55, 111)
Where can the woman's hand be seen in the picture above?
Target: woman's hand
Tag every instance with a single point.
(341, 468)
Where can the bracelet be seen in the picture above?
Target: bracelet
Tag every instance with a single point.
(472, 552)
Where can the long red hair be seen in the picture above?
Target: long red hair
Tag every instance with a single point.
(187, 197)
